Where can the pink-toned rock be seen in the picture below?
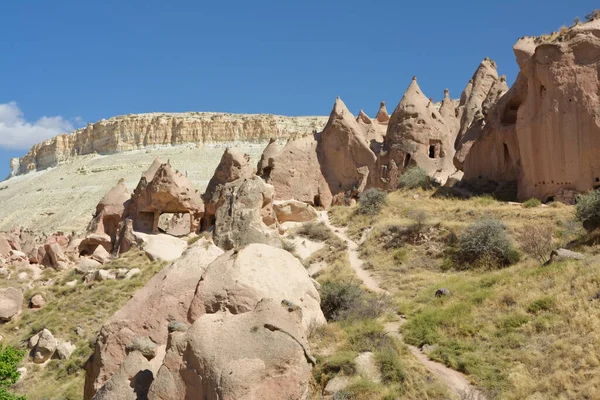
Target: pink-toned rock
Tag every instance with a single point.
(37, 301)
(294, 211)
(11, 300)
(109, 212)
(165, 297)
(56, 255)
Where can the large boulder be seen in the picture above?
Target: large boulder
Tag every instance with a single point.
(231, 283)
(294, 211)
(43, 346)
(11, 300)
(233, 166)
(260, 354)
(244, 209)
(131, 381)
(165, 298)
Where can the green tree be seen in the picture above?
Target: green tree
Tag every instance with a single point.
(9, 360)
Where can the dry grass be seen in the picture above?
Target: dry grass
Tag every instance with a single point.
(67, 308)
(521, 332)
(338, 343)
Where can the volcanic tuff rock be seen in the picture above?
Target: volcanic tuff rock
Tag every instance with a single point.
(417, 134)
(545, 131)
(165, 298)
(138, 131)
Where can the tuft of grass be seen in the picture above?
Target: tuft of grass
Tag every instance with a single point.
(531, 203)
(545, 303)
(316, 231)
(371, 201)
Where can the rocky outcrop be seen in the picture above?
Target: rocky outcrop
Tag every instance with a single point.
(165, 298)
(244, 212)
(11, 300)
(344, 154)
(168, 191)
(248, 339)
(417, 134)
(109, 212)
(295, 173)
(138, 131)
(545, 131)
(249, 312)
(294, 211)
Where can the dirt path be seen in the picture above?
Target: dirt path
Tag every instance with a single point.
(456, 382)
(355, 262)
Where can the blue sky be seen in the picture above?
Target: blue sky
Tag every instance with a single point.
(68, 62)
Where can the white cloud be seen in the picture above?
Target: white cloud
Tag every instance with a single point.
(17, 133)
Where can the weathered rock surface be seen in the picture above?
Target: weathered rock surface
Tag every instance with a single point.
(139, 131)
(11, 300)
(294, 211)
(344, 153)
(242, 207)
(545, 131)
(166, 297)
(259, 354)
(131, 381)
(295, 173)
(64, 350)
(231, 283)
(419, 135)
(44, 346)
(109, 212)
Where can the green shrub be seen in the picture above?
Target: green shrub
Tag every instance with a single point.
(342, 361)
(594, 15)
(545, 303)
(532, 203)
(415, 177)
(587, 210)
(367, 335)
(9, 360)
(371, 201)
(347, 300)
(390, 365)
(315, 231)
(486, 243)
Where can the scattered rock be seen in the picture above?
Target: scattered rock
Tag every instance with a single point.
(132, 272)
(337, 384)
(80, 331)
(442, 292)
(87, 265)
(367, 367)
(56, 255)
(37, 301)
(105, 275)
(101, 255)
(45, 346)
(72, 283)
(11, 300)
(563, 255)
(64, 350)
(22, 372)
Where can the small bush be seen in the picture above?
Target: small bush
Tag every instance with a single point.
(342, 361)
(415, 177)
(536, 242)
(316, 231)
(486, 243)
(288, 246)
(390, 365)
(367, 335)
(532, 203)
(587, 210)
(545, 303)
(371, 201)
(343, 301)
(594, 15)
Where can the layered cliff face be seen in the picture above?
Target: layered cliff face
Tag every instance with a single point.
(138, 131)
(545, 131)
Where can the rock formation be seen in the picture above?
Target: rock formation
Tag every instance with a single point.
(166, 297)
(109, 212)
(295, 173)
(344, 154)
(244, 212)
(545, 131)
(249, 310)
(11, 300)
(168, 191)
(138, 131)
(417, 134)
